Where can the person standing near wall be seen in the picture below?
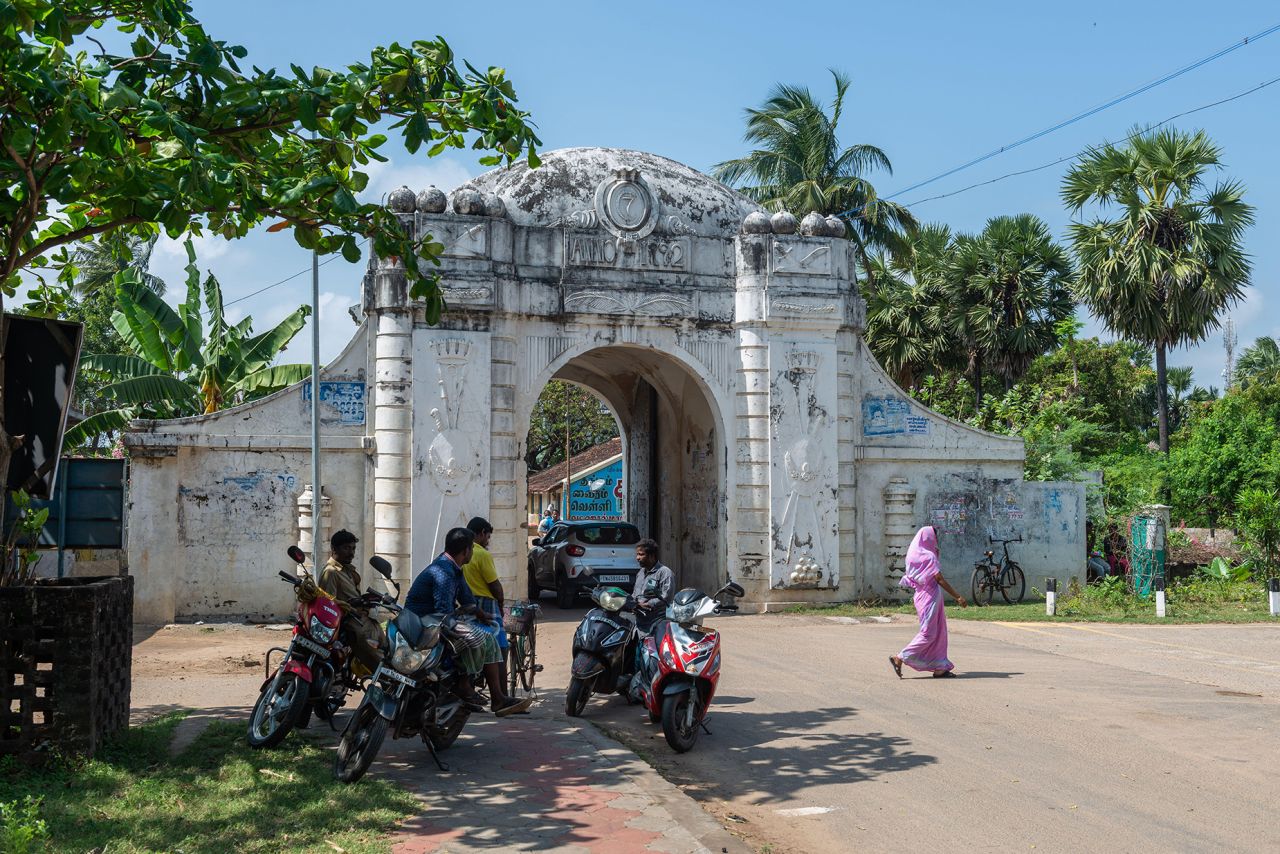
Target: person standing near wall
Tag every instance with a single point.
(928, 649)
(482, 578)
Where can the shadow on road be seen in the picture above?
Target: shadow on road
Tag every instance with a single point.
(787, 752)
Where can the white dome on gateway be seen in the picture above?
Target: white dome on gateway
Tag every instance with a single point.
(630, 193)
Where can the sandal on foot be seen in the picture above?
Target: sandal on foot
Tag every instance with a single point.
(897, 665)
(513, 706)
(946, 674)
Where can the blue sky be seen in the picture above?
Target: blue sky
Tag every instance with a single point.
(935, 84)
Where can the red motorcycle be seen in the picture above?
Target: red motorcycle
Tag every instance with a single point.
(314, 674)
(680, 664)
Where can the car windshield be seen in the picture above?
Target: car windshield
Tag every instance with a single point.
(608, 535)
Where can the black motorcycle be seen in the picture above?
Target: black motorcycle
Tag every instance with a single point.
(603, 649)
(411, 693)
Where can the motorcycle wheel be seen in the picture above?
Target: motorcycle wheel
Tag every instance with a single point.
(359, 745)
(575, 698)
(277, 711)
(444, 739)
(681, 734)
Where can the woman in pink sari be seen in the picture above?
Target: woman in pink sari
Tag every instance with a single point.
(928, 650)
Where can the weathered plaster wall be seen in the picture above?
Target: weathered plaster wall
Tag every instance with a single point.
(213, 501)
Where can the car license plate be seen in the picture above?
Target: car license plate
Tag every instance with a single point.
(312, 646)
(614, 579)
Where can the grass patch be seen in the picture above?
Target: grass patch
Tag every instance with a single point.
(1196, 600)
(218, 795)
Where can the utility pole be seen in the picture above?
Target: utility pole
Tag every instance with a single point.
(317, 529)
(568, 472)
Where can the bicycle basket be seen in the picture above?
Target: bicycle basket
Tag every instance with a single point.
(520, 617)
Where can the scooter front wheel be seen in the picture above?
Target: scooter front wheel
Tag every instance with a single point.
(575, 698)
(680, 720)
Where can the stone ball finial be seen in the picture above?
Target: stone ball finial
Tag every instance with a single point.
(401, 200)
(756, 223)
(835, 226)
(469, 202)
(494, 206)
(814, 224)
(784, 222)
(432, 200)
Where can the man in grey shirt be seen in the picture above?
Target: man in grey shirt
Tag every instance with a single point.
(654, 588)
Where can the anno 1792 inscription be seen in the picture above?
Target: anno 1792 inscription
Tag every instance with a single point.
(594, 249)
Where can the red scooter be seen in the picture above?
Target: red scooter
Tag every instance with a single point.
(680, 664)
(314, 673)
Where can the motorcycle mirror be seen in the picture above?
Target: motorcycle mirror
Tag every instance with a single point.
(297, 554)
(734, 589)
(381, 566)
(537, 541)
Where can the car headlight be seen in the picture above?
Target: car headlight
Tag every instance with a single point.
(405, 658)
(682, 613)
(319, 630)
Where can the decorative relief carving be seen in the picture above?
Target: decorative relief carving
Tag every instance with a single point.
(481, 294)
(626, 206)
(714, 356)
(801, 258)
(620, 253)
(450, 453)
(578, 219)
(800, 308)
(463, 240)
(625, 302)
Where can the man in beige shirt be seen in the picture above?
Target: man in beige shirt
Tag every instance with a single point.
(341, 580)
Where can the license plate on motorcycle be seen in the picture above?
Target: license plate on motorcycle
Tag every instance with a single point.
(614, 579)
(311, 646)
(399, 677)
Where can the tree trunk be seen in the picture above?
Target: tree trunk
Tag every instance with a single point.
(1162, 398)
(977, 386)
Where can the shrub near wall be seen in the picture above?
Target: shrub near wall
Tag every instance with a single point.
(65, 659)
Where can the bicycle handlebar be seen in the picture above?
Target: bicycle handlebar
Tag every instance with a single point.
(991, 539)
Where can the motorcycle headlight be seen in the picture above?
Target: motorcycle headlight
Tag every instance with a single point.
(319, 630)
(611, 601)
(405, 658)
(682, 613)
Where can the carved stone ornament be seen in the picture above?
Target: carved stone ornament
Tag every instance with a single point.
(450, 452)
(626, 205)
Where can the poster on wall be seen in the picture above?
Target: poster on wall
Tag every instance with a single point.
(598, 495)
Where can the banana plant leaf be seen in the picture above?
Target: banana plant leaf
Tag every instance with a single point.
(120, 367)
(111, 421)
(189, 311)
(261, 350)
(272, 379)
(153, 390)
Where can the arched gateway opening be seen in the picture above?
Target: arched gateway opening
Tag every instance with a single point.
(672, 439)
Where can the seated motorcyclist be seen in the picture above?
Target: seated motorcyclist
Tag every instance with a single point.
(442, 589)
(341, 580)
(654, 588)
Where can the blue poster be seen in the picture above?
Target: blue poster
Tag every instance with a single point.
(598, 495)
(884, 416)
(341, 398)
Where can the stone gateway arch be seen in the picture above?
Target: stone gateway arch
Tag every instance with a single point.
(762, 441)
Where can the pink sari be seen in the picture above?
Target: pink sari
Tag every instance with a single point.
(928, 649)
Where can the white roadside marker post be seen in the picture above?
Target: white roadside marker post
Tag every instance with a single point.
(1273, 594)
(1159, 587)
(1050, 596)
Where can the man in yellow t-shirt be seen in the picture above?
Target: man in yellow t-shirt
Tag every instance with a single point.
(482, 577)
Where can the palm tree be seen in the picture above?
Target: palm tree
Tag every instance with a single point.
(1012, 285)
(800, 166)
(1170, 261)
(176, 366)
(1259, 362)
(99, 262)
(904, 331)
(1180, 385)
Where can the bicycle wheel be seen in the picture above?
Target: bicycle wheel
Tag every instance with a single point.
(980, 585)
(1013, 583)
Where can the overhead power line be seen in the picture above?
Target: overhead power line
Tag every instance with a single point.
(328, 260)
(1128, 138)
(1133, 93)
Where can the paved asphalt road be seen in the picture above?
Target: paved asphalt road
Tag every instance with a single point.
(1056, 738)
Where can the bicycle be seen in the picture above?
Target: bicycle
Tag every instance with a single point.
(521, 624)
(1004, 575)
